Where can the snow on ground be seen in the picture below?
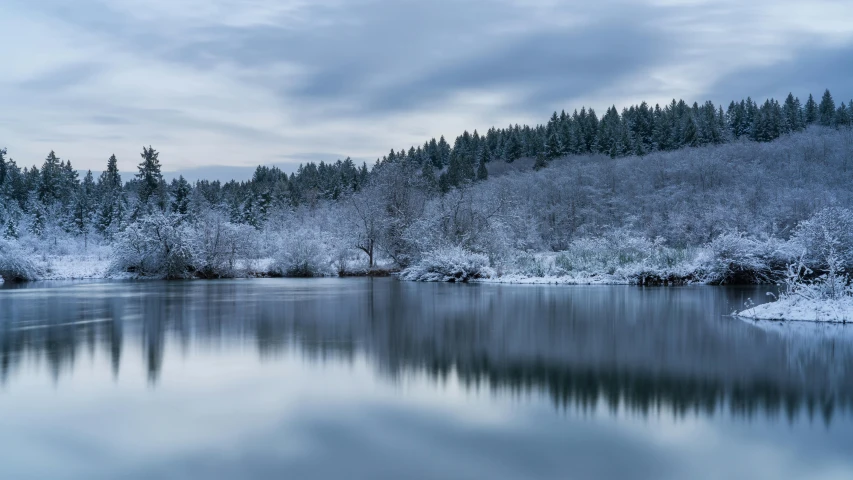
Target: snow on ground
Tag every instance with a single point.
(96, 266)
(794, 307)
(73, 267)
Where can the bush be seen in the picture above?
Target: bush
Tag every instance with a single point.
(827, 237)
(303, 255)
(16, 265)
(735, 258)
(452, 264)
(156, 245)
(218, 246)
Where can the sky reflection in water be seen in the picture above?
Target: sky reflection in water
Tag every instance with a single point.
(378, 378)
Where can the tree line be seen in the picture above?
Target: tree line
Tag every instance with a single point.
(51, 201)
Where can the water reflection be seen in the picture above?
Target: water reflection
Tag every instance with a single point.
(628, 349)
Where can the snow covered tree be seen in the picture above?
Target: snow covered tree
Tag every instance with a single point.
(50, 184)
(180, 191)
(553, 147)
(482, 171)
(811, 111)
(149, 175)
(826, 110)
(793, 114)
(842, 116)
(84, 208)
(2, 166)
(541, 161)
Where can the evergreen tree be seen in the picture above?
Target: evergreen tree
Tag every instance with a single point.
(180, 193)
(512, 147)
(553, 148)
(793, 114)
(826, 110)
(811, 113)
(691, 134)
(482, 172)
(662, 132)
(149, 175)
(84, 207)
(443, 152)
(51, 179)
(3, 167)
(541, 162)
(11, 230)
(111, 206)
(428, 175)
(110, 178)
(842, 116)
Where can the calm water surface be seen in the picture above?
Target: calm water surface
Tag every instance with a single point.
(361, 378)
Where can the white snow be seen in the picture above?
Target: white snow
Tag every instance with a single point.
(794, 307)
(74, 267)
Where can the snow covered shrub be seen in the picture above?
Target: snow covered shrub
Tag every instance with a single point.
(218, 246)
(303, 254)
(16, 265)
(450, 264)
(828, 298)
(607, 254)
(827, 237)
(533, 265)
(157, 245)
(735, 258)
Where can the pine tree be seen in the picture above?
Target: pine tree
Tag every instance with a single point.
(111, 199)
(84, 207)
(691, 134)
(541, 161)
(11, 231)
(180, 193)
(428, 175)
(661, 133)
(792, 114)
(553, 148)
(482, 172)
(826, 110)
(3, 167)
(842, 116)
(811, 113)
(149, 175)
(110, 178)
(512, 147)
(51, 179)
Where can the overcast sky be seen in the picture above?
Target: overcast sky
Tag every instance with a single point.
(247, 82)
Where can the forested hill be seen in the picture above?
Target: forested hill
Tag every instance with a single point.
(637, 130)
(690, 176)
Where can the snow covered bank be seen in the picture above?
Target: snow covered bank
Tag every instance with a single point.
(452, 264)
(75, 267)
(803, 309)
(828, 298)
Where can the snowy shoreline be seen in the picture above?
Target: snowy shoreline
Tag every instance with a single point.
(795, 308)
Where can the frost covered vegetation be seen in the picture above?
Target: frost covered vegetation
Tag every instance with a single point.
(652, 195)
(828, 241)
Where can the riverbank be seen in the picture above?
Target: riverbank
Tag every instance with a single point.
(797, 308)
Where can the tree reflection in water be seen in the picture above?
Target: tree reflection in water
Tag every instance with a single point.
(638, 350)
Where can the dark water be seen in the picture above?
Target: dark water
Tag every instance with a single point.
(361, 378)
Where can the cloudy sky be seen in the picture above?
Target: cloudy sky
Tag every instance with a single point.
(248, 82)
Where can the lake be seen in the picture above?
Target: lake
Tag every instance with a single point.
(377, 378)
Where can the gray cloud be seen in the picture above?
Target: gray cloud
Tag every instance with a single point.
(228, 82)
(811, 70)
(62, 77)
